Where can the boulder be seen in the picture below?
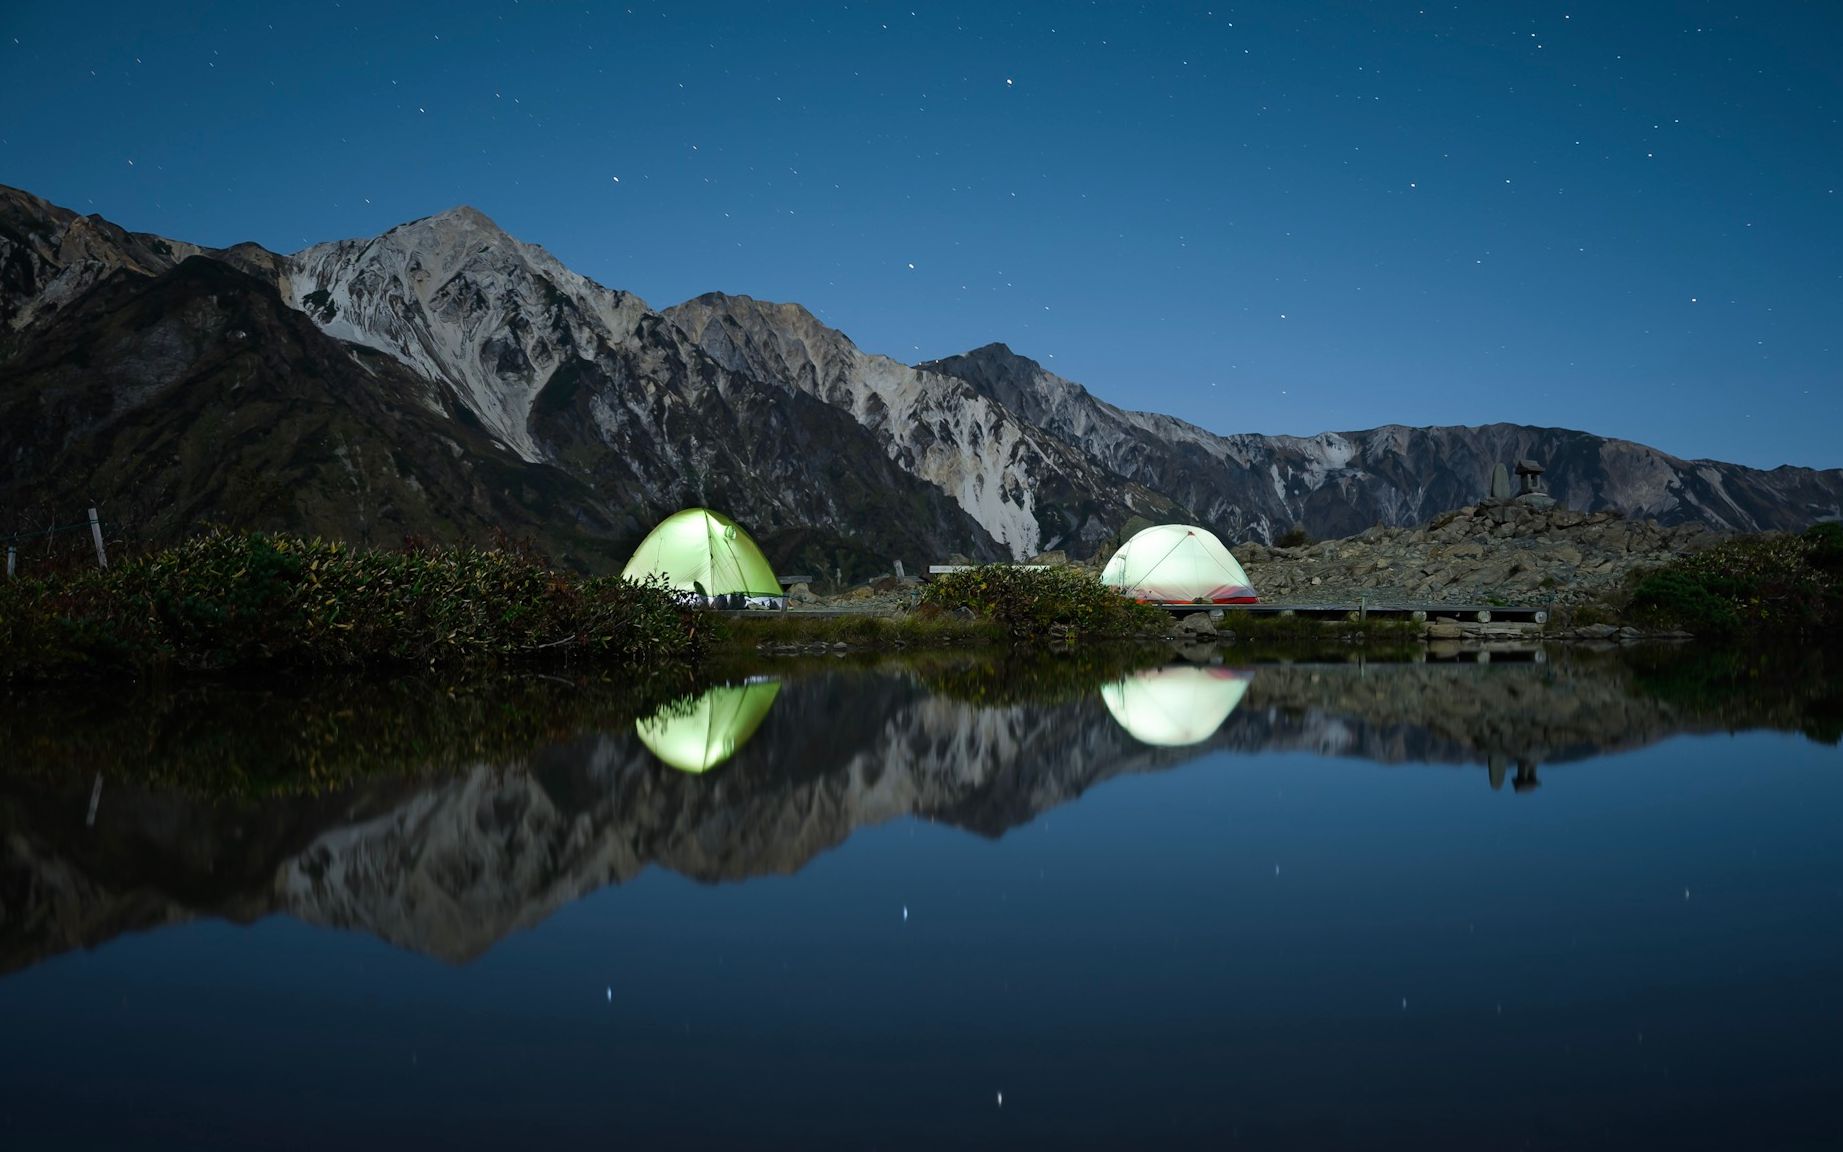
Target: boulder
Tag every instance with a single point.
(1196, 624)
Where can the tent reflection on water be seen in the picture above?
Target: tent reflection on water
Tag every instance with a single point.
(698, 733)
(1176, 705)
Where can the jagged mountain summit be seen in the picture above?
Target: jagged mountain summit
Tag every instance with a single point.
(445, 379)
(1250, 486)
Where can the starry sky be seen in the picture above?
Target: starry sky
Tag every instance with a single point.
(1624, 217)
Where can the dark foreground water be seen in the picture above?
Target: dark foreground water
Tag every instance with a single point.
(1576, 904)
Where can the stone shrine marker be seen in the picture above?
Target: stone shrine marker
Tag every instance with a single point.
(1500, 482)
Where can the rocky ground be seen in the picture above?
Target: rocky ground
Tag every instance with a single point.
(1503, 553)
(1506, 552)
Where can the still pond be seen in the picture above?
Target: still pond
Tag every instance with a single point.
(1580, 902)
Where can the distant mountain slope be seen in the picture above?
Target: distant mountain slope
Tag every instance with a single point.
(1339, 483)
(446, 379)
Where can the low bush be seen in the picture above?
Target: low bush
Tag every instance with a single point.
(236, 600)
(1033, 603)
(1771, 583)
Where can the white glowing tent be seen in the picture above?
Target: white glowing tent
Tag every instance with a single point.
(1178, 564)
(1177, 705)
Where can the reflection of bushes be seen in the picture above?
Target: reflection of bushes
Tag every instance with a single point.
(1040, 679)
(221, 739)
(926, 630)
(1771, 583)
(1031, 603)
(230, 600)
(1788, 688)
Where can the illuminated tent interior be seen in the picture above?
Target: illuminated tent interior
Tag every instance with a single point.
(706, 554)
(698, 733)
(1175, 706)
(1178, 564)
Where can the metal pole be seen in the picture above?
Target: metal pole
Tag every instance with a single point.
(102, 557)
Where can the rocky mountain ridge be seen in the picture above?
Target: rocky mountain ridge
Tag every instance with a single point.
(578, 414)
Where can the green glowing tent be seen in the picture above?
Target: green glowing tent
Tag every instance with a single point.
(1177, 705)
(1178, 564)
(700, 732)
(707, 554)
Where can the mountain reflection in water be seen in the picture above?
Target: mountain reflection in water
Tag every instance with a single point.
(448, 854)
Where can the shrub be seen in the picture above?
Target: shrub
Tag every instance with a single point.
(1767, 583)
(233, 600)
(1030, 603)
(1825, 544)
(1683, 600)
(1294, 537)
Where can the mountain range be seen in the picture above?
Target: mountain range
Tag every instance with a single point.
(447, 381)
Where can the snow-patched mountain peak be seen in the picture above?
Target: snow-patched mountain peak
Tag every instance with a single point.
(466, 305)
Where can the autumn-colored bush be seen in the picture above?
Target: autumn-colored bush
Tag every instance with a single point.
(1030, 603)
(235, 600)
(1773, 583)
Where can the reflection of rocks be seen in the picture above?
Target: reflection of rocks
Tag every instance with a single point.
(450, 865)
(1450, 713)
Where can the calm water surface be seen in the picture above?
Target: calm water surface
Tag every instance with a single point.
(1557, 905)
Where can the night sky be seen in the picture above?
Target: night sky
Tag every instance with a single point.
(1624, 217)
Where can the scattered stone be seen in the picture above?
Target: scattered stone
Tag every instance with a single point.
(1514, 553)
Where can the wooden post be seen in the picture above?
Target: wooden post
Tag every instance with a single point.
(95, 799)
(102, 556)
(12, 558)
